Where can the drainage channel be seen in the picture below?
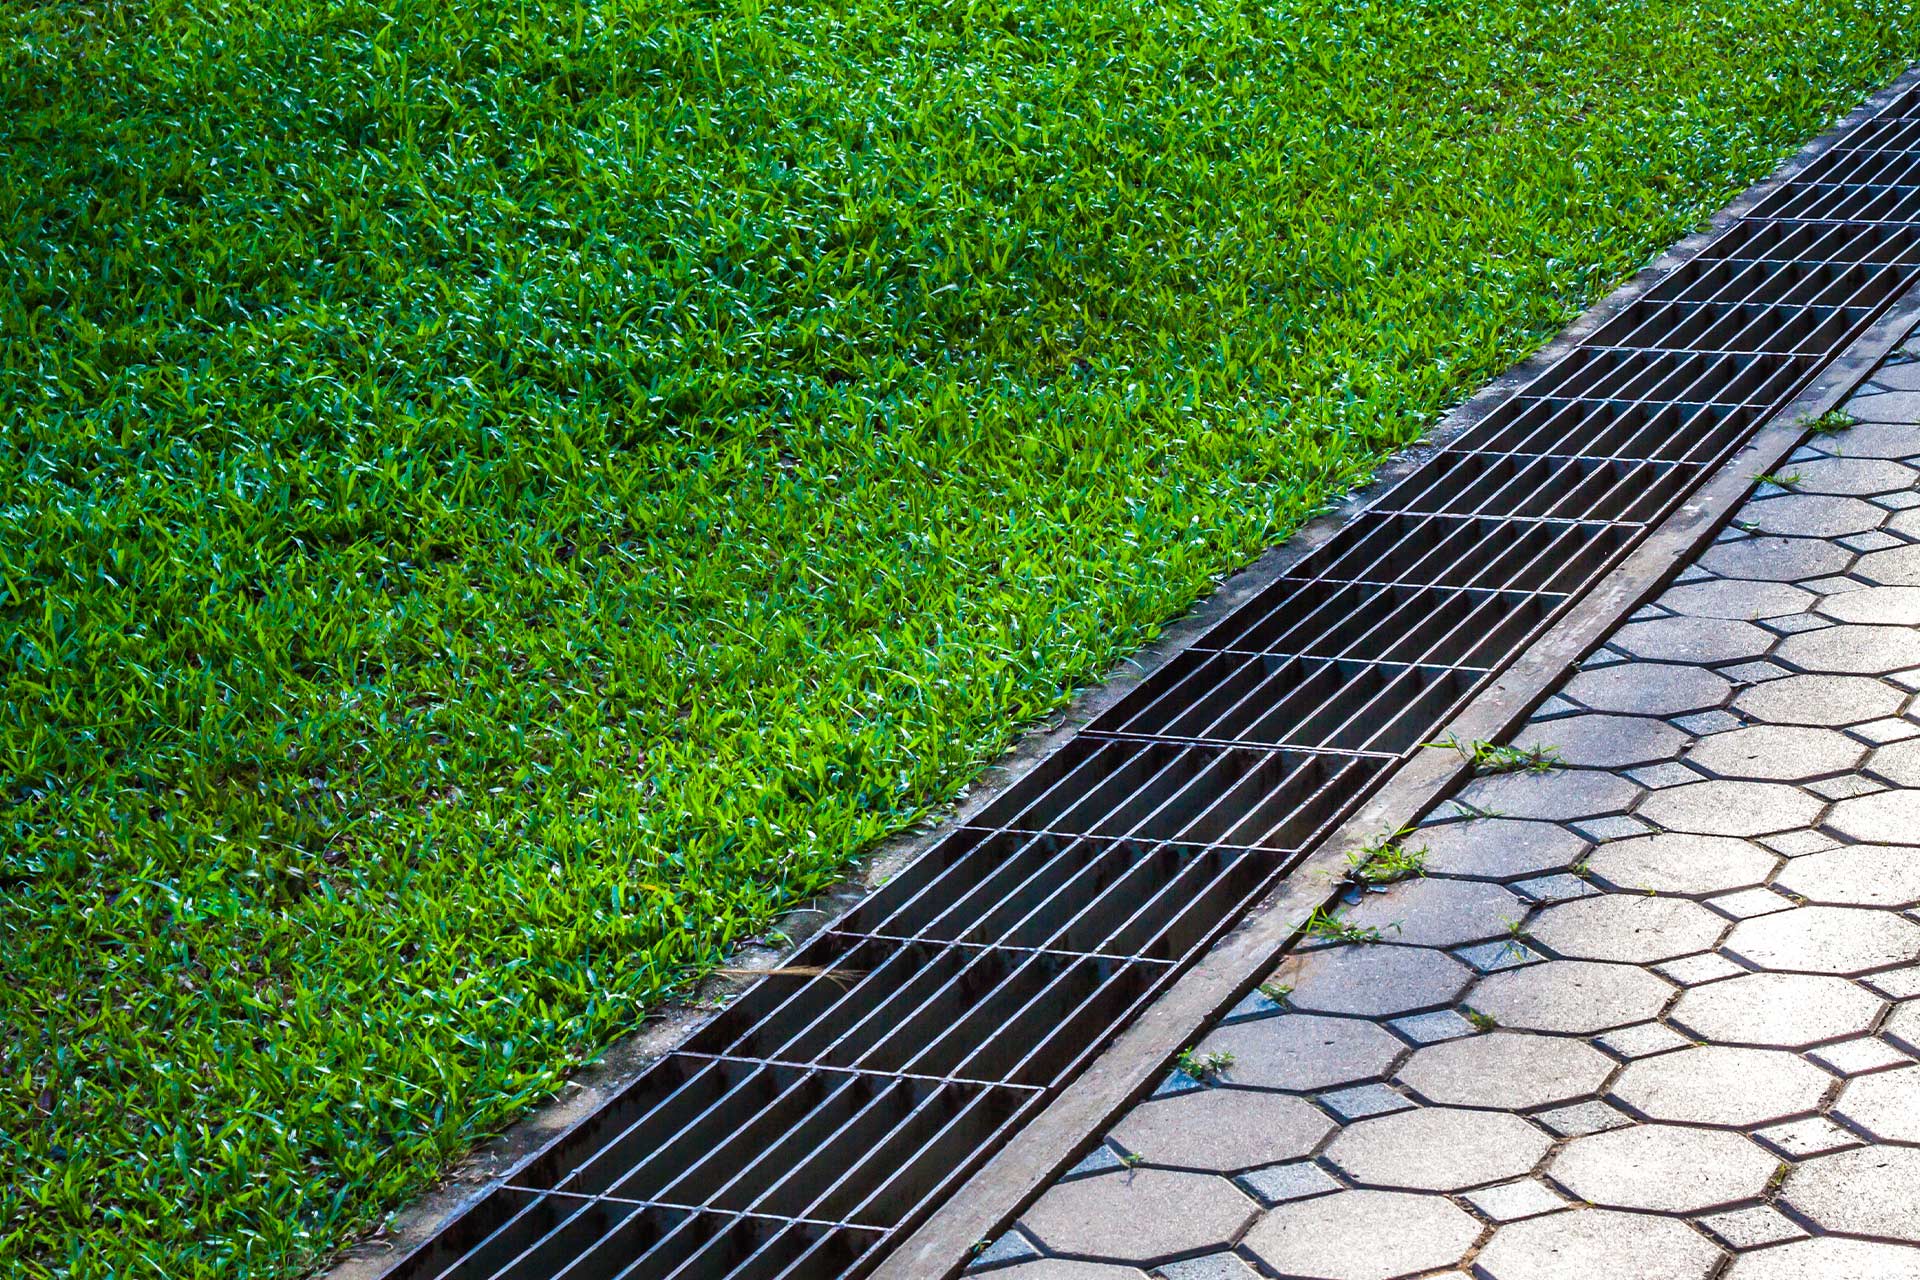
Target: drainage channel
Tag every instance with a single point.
(813, 1124)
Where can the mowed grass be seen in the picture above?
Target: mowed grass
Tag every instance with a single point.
(498, 500)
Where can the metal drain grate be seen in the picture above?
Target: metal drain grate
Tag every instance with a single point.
(821, 1116)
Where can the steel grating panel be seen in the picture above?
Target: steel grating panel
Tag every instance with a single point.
(1383, 621)
(1824, 202)
(1096, 896)
(1741, 278)
(524, 1235)
(1265, 700)
(1502, 485)
(1188, 793)
(824, 1113)
(1612, 429)
(1847, 245)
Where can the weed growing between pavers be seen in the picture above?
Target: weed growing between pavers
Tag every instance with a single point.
(1323, 926)
(1386, 861)
(1488, 758)
(501, 500)
(1202, 1066)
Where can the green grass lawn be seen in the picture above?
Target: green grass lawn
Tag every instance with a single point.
(498, 499)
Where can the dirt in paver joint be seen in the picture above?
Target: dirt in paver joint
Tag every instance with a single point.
(1702, 1044)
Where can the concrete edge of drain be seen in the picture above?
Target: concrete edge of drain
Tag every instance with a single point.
(992, 1199)
(386, 1246)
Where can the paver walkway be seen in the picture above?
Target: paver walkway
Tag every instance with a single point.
(1657, 1019)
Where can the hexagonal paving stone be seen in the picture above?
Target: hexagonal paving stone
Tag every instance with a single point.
(1138, 1215)
(1571, 996)
(1852, 648)
(1886, 817)
(1302, 1052)
(1066, 1269)
(1829, 1258)
(1894, 567)
(1852, 476)
(1732, 808)
(1558, 794)
(1374, 981)
(1438, 913)
(1897, 762)
(1776, 752)
(1867, 875)
(1736, 598)
(1604, 741)
(1886, 1105)
(1498, 847)
(1683, 639)
(1680, 862)
(1875, 606)
(1222, 1130)
(1714, 1084)
(1784, 1010)
(1897, 407)
(1774, 559)
(1872, 439)
(1648, 688)
(1812, 515)
(1587, 1244)
(1438, 1149)
(1869, 1191)
(1667, 1168)
(1820, 700)
(1627, 928)
(1840, 940)
(1340, 1237)
(1505, 1069)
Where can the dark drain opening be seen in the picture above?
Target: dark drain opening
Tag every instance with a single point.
(1813, 203)
(1734, 327)
(1263, 700)
(1101, 897)
(1688, 431)
(1846, 246)
(543, 1237)
(974, 1013)
(1464, 551)
(1673, 377)
(823, 1114)
(1534, 488)
(1195, 794)
(1433, 626)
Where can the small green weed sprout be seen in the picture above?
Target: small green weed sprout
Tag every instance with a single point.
(1778, 479)
(1387, 860)
(1834, 420)
(1202, 1066)
(1324, 927)
(1493, 757)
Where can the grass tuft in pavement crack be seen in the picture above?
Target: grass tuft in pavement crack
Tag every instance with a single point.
(1387, 860)
(501, 500)
(1489, 758)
